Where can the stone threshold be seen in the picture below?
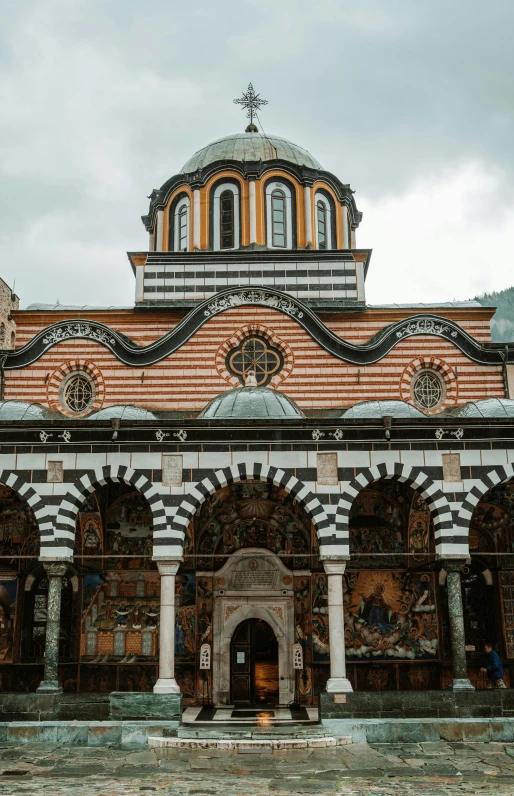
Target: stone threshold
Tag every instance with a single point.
(242, 745)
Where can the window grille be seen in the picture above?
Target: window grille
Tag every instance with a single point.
(428, 389)
(78, 394)
(255, 353)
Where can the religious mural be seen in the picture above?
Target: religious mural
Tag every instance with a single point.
(19, 535)
(390, 615)
(8, 596)
(492, 524)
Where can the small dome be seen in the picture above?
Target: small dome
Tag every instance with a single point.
(21, 410)
(251, 146)
(124, 412)
(367, 410)
(252, 403)
(490, 407)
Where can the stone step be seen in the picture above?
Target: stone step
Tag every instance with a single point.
(167, 746)
(234, 731)
(82, 707)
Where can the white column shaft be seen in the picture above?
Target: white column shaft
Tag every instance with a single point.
(158, 241)
(308, 215)
(166, 684)
(196, 219)
(338, 681)
(253, 213)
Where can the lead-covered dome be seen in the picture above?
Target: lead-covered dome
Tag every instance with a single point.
(488, 407)
(23, 410)
(251, 403)
(368, 410)
(252, 147)
(123, 412)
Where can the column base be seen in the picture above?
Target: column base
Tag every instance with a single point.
(338, 685)
(49, 687)
(461, 684)
(166, 686)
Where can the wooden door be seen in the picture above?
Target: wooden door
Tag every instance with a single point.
(241, 665)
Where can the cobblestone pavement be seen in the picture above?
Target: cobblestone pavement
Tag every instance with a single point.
(429, 769)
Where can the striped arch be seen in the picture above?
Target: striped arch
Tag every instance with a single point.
(64, 536)
(499, 475)
(253, 472)
(446, 539)
(28, 493)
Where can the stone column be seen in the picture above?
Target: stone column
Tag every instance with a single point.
(457, 638)
(308, 216)
(253, 214)
(344, 221)
(338, 681)
(196, 219)
(166, 684)
(50, 682)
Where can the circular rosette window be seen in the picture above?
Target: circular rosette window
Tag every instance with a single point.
(257, 354)
(76, 388)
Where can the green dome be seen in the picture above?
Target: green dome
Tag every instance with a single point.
(367, 410)
(251, 146)
(21, 410)
(124, 412)
(252, 403)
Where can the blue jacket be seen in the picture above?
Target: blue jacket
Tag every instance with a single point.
(494, 666)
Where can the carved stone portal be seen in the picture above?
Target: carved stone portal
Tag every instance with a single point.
(253, 584)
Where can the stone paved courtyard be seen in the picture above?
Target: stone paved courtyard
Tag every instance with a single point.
(429, 768)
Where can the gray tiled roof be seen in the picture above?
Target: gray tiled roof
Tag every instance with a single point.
(251, 146)
(248, 403)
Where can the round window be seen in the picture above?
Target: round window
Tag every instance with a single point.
(428, 390)
(257, 355)
(77, 393)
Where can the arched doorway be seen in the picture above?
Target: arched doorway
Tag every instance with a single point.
(254, 664)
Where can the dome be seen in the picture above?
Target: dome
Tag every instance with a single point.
(251, 403)
(124, 412)
(367, 410)
(21, 410)
(251, 146)
(490, 407)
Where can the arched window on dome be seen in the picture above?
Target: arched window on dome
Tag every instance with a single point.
(179, 225)
(325, 221)
(227, 220)
(321, 221)
(224, 218)
(279, 216)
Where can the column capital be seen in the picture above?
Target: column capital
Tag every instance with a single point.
(55, 569)
(168, 567)
(333, 567)
(453, 564)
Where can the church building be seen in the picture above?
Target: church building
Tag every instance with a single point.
(251, 487)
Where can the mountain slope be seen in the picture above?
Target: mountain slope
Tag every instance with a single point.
(502, 325)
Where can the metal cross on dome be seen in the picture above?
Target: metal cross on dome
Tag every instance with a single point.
(251, 101)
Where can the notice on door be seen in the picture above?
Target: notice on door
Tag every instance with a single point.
(240, 657)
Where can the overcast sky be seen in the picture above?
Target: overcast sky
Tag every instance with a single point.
(410, 101)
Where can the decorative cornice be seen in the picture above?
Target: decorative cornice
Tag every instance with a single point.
(250, 169)
(366, 354)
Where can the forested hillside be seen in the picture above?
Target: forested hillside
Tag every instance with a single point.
(502, 325)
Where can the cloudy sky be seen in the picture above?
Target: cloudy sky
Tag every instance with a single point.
(410, 101)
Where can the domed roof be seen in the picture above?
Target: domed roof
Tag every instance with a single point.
(252, 403)
(490, 407)
(21, 410)
(367, 410)
(124, 412)
(251, 146)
